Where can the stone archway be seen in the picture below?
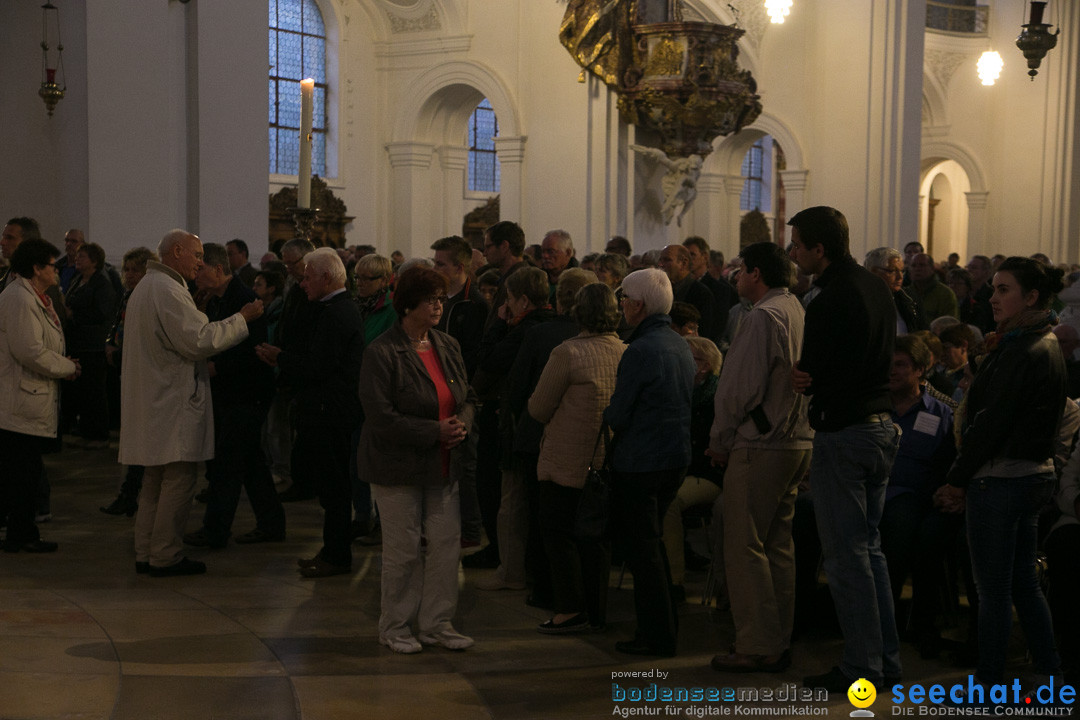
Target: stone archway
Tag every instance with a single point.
(967, 192)
(722, 181)
(432, 121)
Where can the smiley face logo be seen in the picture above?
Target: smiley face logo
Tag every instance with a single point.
(862, 693)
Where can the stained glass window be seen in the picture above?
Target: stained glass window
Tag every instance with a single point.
(483, 161)
(757, 171)
(297, 51)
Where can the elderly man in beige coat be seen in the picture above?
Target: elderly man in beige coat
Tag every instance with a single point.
(168, 421)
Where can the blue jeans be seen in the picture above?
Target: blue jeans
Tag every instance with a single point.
(1002, 525)
(848, 474)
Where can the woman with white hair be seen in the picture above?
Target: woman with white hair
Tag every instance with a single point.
(650, 416)
(888, 264)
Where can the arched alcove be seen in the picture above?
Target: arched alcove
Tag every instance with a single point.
(723, 180)
(432, 123)
(943, 210)
(968, 196)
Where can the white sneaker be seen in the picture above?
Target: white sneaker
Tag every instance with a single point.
(405, 645)
(449, 638)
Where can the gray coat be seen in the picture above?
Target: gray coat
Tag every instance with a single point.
(399, 443)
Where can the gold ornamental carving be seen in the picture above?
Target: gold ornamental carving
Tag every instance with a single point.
(678, 79)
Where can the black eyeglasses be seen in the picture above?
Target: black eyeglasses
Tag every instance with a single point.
(437, 300)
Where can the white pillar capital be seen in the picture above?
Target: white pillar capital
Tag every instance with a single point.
(511, 149)
(453, 157)
(710, 183)
(409, 154)
(976, 200)
(795, 180)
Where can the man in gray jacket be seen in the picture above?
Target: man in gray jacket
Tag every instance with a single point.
(760, 432)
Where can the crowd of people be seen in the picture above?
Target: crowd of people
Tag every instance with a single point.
(884, 420)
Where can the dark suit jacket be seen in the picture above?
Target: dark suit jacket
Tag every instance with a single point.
(725, 296)
(693, 291)
(399, 444)
(239, 376)
(92, 304)
(325, 372)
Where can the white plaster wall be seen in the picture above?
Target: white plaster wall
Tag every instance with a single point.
(137, 122)
(44, 159)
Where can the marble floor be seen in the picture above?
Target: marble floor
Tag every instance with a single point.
(83, 636)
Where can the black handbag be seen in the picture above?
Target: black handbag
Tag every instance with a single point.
(594, 506)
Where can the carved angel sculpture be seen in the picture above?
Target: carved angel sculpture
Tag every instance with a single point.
(679, 183)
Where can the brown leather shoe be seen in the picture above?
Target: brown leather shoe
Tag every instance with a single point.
(320, 569)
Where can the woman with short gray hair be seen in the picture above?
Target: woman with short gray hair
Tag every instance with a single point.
(888, 264)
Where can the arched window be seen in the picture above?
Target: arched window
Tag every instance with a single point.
(483, 161)
(757, 171)
(297, 51)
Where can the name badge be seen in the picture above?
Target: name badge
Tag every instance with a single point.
(927, 423)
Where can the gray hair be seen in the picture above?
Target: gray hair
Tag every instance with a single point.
(651, 287)
(415, 262)
(173, 238)
(565, 243)
(880, 257)
(326, 260)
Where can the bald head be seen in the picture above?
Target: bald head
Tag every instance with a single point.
(181, 251)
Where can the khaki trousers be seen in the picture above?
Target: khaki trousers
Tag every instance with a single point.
(419, 582)
(164, 506)
(693, 491)
(760, 487)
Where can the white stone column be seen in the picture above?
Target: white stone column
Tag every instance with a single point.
(869, 153)
(229, 191)
(135, 81)
(1059, 230)
(728, 239)
(977, 229)
(411, 212)
(453, 159)
(795, 182)
(511, 153)
(708, 211)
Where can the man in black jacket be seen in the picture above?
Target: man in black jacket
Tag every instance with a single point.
(724, 293)
(675, 261)
(327, 409)
(847, 350)
(241, 388)
(463, 319)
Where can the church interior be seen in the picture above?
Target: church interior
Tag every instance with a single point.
(430, 114)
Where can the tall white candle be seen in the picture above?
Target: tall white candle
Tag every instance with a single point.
(307, 98)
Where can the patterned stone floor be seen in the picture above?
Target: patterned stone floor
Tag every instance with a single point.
(83, 636)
